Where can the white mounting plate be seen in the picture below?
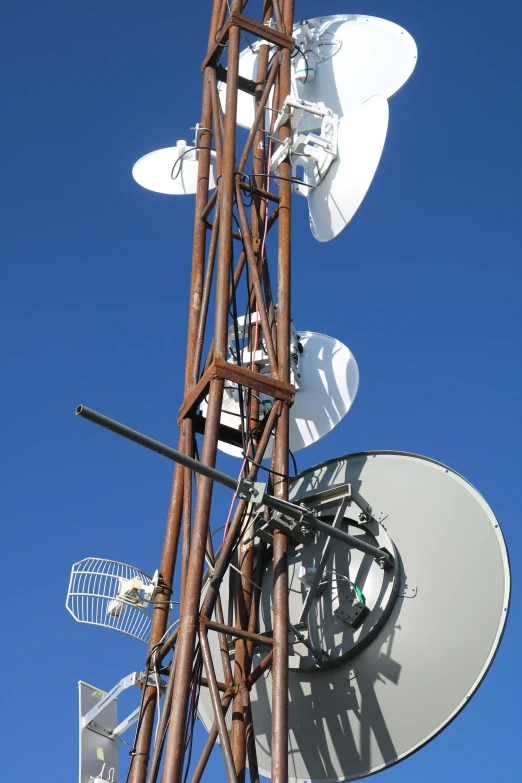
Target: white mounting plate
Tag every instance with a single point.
(97, 749)
(327, 389)
(159, 171)
(436, 646)
(371, 56)
(360, 142)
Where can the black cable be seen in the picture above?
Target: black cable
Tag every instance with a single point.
(132, 751)
(295, 464)
(154, 778)
(221, 45)
(191, 149)
(238, 359)
(269, 470)
(303, 54)
(289, 179)
(248, 179)
(244, 398)
(193, 718)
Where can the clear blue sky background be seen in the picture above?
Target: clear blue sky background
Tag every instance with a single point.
(424, 287)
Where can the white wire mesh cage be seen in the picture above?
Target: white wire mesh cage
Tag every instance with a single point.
(111, 594)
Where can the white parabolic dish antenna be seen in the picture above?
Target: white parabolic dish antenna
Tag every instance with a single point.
(361, 138)
(172, 170)
(329, 379)
(434, 623)
(352, 57)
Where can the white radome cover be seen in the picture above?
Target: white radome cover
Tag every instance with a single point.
(160, 171)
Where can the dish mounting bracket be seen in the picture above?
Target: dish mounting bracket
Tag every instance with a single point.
(312, 152)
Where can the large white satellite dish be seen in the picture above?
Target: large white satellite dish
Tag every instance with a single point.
(172, 170)
(360, 141)
(328, 383)
(350, 57)
(437, 618)
(369, 56)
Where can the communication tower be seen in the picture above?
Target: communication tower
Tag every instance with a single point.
(325, 638)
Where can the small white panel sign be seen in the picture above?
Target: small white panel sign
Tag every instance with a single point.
(98, 753)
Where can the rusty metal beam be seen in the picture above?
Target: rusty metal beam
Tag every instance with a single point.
(267, 641)
(209, 206)
(260, 192)
(227, 371)
(256, 285)
(216, 703)
(139, 761)
(281, 447)
(259, 115)
(199, 769)
(189, 609)
(260, 669)
(221, 686)
(205, 296)
(238, 20)
(235, 525)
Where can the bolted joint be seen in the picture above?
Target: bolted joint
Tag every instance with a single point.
(386, 561)
(252, 491)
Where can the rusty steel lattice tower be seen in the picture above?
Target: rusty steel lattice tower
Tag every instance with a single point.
(212, 258)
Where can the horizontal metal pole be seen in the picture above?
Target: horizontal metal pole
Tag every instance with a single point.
(155, 445)
(283, 506)
(254, 637)
(178, 456)
(353, 541)
(258, 672)
(222, 686)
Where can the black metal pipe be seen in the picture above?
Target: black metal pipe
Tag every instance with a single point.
(355, 543)
(155, 445)
(277, 504)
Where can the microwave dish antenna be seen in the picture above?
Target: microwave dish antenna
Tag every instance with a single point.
(360, 142)
(173, 170)
(341, 61)
(326, 378)
(344, 70)
(382, 658)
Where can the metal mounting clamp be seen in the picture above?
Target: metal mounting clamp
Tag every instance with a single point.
(253, 491)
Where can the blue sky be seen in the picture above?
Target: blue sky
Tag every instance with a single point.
(424, 286)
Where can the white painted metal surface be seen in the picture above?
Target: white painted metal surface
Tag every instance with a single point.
(371, 56)
(360, 142)
(98, 752)
(352, 57)
(173, 170)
